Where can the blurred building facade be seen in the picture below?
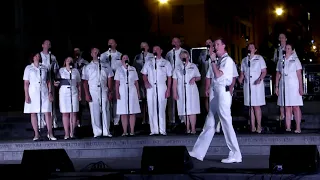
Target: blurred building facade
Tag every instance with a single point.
(197, 20)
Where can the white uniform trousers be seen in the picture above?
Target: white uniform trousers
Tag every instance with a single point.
(221, 104)
(94, 106)
(155, 126)
(116, 117)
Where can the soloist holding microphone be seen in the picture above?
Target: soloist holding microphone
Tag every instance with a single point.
(221, 104)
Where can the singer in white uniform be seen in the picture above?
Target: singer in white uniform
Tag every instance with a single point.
(278, 56)
(79, 63)
(254, 73)
(173, 56)
(157, 79)
(185, 91)
(209, 89)
(128, 95)
(69, 96)
(38, 96)
(93, 81)
(289, 87)
(139, 62)
(115, 63)
(221, 104)
(52, 66)
(205, 64)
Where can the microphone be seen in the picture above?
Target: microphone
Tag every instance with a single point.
(208, 46)
(155, 55)
(184, 60)
(109, 46)
(126, 62)
(142, 50)
(173, 47)
(184, 67)
(249, 52)
(71, 65)
(284, 52)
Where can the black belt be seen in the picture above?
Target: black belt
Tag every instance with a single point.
(64, 82)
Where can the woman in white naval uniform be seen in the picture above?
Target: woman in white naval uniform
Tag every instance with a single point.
(289, 87)
(257, 71)
(38, 96)
(127, 86)
(221, 104)
(69, 92)
(157, 79)
(185, 91)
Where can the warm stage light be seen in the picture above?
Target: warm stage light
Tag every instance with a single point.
(163, 1)
(314, 47)
(279, 11)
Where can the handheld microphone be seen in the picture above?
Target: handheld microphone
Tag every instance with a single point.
(208, 46)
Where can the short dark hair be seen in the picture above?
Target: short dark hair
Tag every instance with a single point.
(290, 44)
(32, 55)
(255, 46)
(223, 41)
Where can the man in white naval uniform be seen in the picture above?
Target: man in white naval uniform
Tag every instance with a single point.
(79, 63)
(113, 58)
(221, 104)
(173, 56)
(157, 77)
(52, 66)
(209, 89)
(92, 83)
(138, 63)
(205, 60)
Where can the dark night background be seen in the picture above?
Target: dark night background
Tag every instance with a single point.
(85, 24)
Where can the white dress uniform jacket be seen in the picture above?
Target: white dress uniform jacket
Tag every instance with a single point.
(278, 54)
(96, 81)
(66, 92)
(46, 61)
(221, 104)
(177, 61)
(204, 69)
(185, 89)
(79, 64)
(52, 66)
(38, 84)
(138, 64)
(289, 83)
(157, 78)
(173, 56)
(127, 90)
(257, 64)
(210, 75)
(114, 63)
